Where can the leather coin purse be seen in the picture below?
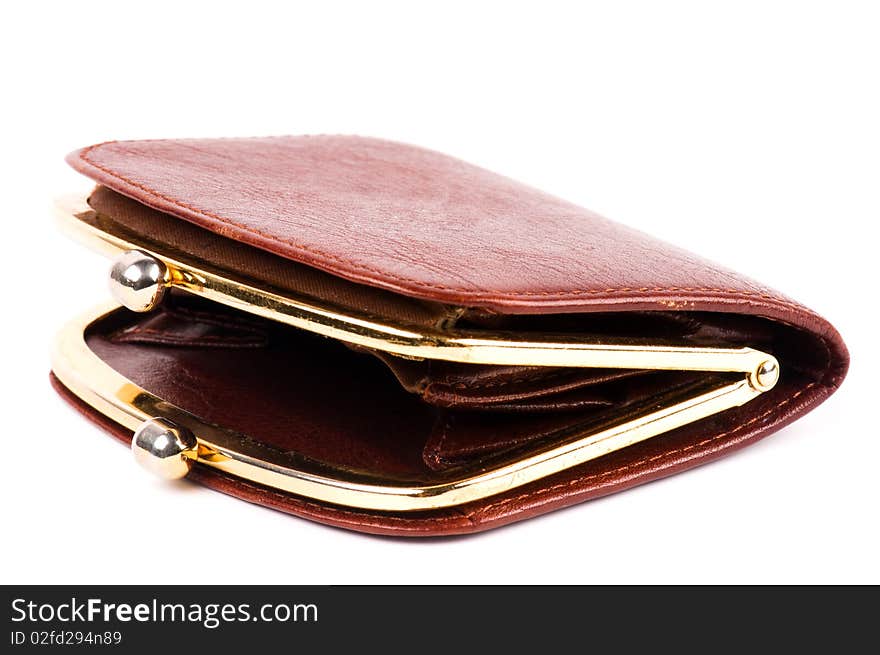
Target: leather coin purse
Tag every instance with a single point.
(387, 339)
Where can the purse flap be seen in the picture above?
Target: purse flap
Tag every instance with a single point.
(409, 220)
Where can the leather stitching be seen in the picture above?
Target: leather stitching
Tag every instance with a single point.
(744, 294)
(340, 515)
(648, 460)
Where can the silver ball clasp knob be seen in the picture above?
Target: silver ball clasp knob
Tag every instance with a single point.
(166, 449)
(138, 280)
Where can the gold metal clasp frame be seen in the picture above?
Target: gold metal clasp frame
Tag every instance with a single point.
(143, 273)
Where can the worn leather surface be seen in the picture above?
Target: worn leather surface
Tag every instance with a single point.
(411, 220)
(433, 228)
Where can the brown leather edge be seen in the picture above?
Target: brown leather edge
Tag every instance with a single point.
(562, 490)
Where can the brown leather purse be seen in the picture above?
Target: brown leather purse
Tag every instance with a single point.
(387, 339)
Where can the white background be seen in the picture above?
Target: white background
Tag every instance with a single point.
(749, 132)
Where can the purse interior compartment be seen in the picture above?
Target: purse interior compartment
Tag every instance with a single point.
(319, 400)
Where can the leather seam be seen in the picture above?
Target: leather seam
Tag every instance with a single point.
(507, 443)
(663, 455)
(342, 515)
(743, 294)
